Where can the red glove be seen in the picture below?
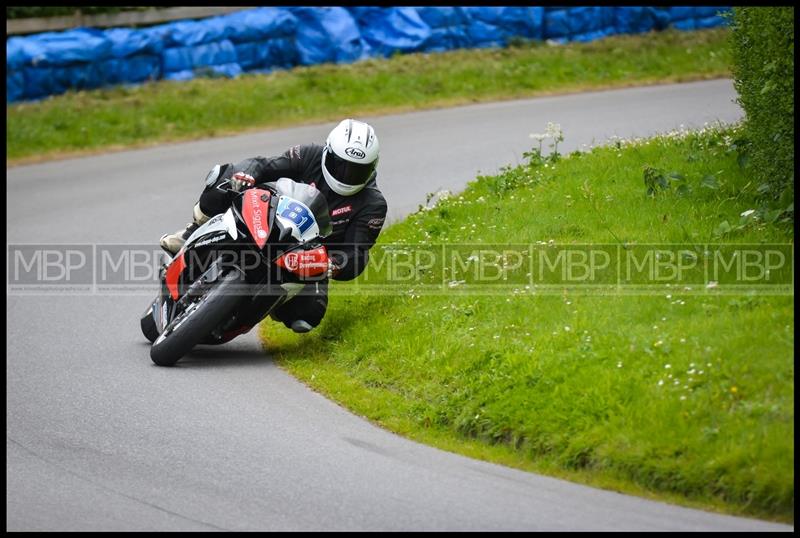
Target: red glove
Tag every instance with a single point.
(241, 181)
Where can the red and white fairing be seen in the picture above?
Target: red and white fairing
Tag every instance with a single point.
(255, 210)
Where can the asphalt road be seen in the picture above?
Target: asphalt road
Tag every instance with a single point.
(98, 438)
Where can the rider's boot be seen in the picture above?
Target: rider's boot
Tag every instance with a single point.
(172, 243)
(301, 326)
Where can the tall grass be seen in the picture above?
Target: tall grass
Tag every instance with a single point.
(683, 392)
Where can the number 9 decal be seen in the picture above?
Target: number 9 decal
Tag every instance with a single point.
(298, 214)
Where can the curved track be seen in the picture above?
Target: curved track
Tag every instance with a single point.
(99, 438)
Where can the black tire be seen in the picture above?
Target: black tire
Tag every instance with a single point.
(214, 308)
(148, 324)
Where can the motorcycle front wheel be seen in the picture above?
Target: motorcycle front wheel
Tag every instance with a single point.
(197, 320)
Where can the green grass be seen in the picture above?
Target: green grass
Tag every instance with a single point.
(684, 395)
(120, 117)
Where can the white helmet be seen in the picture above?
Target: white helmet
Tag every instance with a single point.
(350, 157)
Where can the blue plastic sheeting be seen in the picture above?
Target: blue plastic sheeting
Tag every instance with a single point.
(705, 12)
(691, 18)
(267, 54)
(127, 42)
(261, 39)
(44, 81)
(441, 17)
(191, 33)
(556, 23)
(580, 24)
(449, 28)
(632, 19)
(508, 22)
(261, 24)
(132, 69)
(264, 38)
(188, 58)
(589, 23)
(64, 48)
(19, 51)
(392, 30)
(15, 86)
(328, 34)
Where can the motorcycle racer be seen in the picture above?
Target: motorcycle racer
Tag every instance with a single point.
(344, 170)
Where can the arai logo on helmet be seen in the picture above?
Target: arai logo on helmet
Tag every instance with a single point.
(355, 153)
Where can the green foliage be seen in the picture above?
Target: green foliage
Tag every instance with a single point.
(763, 68)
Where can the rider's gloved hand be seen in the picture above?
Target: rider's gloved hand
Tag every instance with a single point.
(241, 181)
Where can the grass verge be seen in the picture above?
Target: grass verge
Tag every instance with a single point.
(84, 122)
(683, 393)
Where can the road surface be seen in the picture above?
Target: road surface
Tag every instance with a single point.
(99, 438)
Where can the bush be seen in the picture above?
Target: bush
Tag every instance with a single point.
(763, 57)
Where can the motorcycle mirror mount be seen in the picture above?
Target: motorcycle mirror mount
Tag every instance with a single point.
(285, 233)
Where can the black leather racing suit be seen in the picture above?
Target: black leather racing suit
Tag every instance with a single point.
(357, 220)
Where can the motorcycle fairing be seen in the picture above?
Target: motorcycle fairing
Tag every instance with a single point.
(174, 273)
(218, 223)
(255, 213)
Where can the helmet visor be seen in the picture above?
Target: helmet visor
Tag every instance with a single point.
(348, 172)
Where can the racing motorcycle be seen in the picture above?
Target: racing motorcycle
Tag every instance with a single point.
(238, 267)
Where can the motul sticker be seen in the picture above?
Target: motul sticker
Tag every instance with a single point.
(340, 210)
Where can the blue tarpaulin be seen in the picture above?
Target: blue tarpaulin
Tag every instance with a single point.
(261, 39)
(132, 69)
(449, 28)
(267, 54)
(188, 58)
(508, 22)
(15, 86)
(64, 48)
(191, 33)
(261, 24)
(127, 42)
(328, 34)
(264, 38)
(391, 30)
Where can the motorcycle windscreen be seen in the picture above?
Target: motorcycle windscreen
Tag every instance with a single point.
(298, 217)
